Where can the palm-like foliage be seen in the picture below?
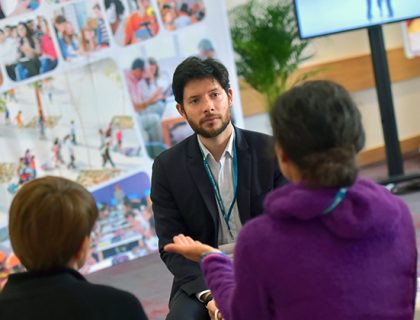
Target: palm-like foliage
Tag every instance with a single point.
(266, 40)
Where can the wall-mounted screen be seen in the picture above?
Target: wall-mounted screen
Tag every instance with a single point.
(323, 17)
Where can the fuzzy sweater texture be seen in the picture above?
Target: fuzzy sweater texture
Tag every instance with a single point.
(358, 262)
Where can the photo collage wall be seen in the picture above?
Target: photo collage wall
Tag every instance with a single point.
(85, 93)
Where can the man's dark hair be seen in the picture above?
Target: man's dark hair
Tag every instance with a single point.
(60, 19)
(119, 7)
(194, 68)
(185, 9)
(319, 128)
(137, 64)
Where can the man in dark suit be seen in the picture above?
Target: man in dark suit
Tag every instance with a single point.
(210, 184)
(50, 223)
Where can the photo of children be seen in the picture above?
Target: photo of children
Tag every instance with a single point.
(10, 8)
(51, 127)
(125, 226)
(80, 29)
(179, 13)
(131, 21)
(27, 49)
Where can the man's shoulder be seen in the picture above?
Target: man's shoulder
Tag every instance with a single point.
(252, 133)
(176, 151)
(254, 137)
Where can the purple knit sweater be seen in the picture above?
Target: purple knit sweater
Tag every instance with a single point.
(359, 262)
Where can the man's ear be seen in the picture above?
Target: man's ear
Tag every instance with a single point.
(180, 110)
(230, 97)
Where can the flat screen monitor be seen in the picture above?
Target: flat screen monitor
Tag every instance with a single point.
(317, 18)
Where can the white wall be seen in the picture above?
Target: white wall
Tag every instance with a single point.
(355, 43)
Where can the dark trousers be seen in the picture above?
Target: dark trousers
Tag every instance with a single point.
(186, 307)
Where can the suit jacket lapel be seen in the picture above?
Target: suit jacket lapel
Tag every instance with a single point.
(244, 176)
(199, 176)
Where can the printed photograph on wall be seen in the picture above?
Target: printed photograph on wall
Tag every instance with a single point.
(411, 35)
(125, 228)
(81, 30)
(69, 126)
(10, 8)
(131, 21)
(180, 13)
(27, 49)
(75, 104)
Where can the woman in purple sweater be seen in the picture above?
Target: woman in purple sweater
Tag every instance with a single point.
(331, 245)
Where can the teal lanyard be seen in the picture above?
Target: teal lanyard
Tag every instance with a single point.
(339, 197)
(226, 215)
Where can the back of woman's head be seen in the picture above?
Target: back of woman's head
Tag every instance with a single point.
(49, 219)
(319, 128)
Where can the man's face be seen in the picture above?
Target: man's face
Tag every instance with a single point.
(60, 26)
(138, 73)
(206, 107)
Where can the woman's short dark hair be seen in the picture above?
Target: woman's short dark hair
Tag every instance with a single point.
(319, 128)
(48, 220)
(194, 68)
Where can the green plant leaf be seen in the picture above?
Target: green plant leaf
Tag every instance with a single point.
(267, 45)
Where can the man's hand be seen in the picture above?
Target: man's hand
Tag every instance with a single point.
(189, 248)
(212, 308)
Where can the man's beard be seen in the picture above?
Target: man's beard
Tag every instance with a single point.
(213, 132)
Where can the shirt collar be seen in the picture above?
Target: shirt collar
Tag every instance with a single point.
(228, 149)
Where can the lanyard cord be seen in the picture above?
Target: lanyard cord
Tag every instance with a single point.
(226, 215)
(338, 198)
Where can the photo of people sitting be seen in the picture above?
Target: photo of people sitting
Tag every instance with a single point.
(80, 29)
(149, 87)
(141, 24)
(51, 286)
(9, 8)
(131, 21)
(125, 228)
(26, 49)
(179, 13)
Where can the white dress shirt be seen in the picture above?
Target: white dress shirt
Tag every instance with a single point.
(222, 172)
